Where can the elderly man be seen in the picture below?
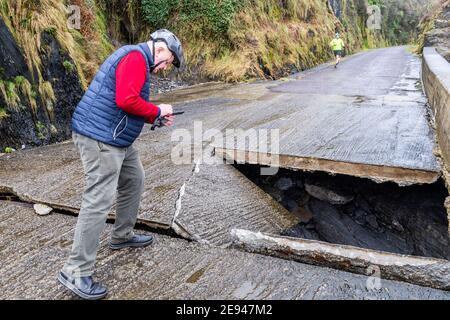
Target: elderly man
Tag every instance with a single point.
(108, 119)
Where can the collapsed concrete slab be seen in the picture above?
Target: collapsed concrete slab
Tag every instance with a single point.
(429, 272)
(368, 123)
(34, 248)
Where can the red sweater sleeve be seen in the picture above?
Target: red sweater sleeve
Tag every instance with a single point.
(130, 78)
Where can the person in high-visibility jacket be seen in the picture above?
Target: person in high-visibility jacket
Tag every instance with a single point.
(337, 45)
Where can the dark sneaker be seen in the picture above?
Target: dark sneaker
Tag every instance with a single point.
(83, 287)
(136, 242)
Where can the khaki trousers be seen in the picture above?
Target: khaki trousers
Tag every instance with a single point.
(108, 170)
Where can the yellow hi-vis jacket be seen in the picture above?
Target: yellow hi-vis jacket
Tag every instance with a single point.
(337, 44)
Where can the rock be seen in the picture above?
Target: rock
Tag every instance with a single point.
(325, 194)
(440, 23)
(439, 37)
(295, 193)
(363, 204)
(350, 208)
(301, 231)
(274, 192)
(372, 221)
(336, 227)
(360, 216)
(290, 204)
(304, 214)
(284, 184)
(299, 183)
(42, 209)
(397, 226)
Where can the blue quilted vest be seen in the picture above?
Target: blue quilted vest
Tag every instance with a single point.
(97, 115)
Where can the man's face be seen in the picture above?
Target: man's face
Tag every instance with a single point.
(163, 56)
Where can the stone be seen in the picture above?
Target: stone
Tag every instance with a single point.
(291, 205)
(360, 216)
(42, 209)
(328, 195)
(284, 184)
(299, 183)
(372, 221)
(304, 214)
(397, 226)
(295, 193)
(336, 227)
(302, 232)
(362, 203)
(440, 23)
(274, 192)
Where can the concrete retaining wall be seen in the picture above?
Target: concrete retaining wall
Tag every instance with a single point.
(436, 81)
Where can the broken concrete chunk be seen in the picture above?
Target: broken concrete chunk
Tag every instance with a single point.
(429, 272)
(326, 194)
(42, 209)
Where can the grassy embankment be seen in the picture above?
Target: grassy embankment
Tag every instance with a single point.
(28, 20)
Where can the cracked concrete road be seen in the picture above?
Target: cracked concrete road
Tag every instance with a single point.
(381, 133)
(53, 175)
(33, 249)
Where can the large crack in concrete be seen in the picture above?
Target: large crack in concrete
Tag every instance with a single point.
(176, 225)
(8, 195)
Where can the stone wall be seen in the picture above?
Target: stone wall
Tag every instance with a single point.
(437, 31)
(436, 80)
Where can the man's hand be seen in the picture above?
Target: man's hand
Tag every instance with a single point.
(165, 121)
(166, 109)
(168, 120)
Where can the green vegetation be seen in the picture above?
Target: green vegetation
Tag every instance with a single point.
(212, 17)
(88, 47)
(230, 40)
(9, 92)
(3, 113)
(69, 66)
(427, 22)
(9, 150)
(400, 19)
(41, 130)
(51, 30)
(238, 40)
(25, 89)
(375, 2)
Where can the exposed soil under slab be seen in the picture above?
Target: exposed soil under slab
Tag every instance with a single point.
(359, 212)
